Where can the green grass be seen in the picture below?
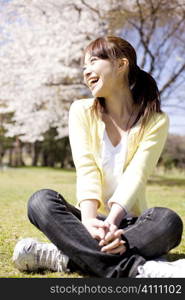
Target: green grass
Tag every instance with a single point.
(16, 185)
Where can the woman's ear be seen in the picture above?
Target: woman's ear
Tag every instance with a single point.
(123, 64)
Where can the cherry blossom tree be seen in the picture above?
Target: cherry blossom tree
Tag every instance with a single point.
(40, 60)
(42, 45)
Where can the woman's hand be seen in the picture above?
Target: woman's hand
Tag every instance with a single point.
(96, 228)
(112, 242)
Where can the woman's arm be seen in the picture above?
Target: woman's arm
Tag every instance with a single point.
(88, 175)
(88, 183)
(141, 166)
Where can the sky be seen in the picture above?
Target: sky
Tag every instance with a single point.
(177, 118)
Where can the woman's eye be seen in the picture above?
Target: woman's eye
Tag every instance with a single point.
(93, 59)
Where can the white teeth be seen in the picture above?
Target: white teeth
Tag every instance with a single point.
(92, 81)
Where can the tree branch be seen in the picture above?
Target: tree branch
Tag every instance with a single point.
(172, 79)
(90, 7)
(170, 34)
(145, 41)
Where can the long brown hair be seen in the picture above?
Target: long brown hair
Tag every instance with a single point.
(143, 86)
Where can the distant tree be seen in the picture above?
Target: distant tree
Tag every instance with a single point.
(174, 152)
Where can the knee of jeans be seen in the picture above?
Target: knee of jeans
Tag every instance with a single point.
(166, 234)
(172, 226)
(39, 201)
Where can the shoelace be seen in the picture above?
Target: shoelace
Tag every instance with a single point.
(48, 256)
(62, 265)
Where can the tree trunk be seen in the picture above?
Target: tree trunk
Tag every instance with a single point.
(10, 159)
(35, 153)
(17, 160)
(44, 159)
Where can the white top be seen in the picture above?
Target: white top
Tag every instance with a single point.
(113, 161)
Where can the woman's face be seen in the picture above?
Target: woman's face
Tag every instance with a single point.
(100, 75)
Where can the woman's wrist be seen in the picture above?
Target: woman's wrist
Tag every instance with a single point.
(88, 209)
(116, 214)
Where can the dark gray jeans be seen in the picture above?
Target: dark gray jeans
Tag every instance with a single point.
(149, 236)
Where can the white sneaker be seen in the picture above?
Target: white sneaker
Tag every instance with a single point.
(162, 269)
(31, 255)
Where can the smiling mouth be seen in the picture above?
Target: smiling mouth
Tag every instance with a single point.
(92, 82)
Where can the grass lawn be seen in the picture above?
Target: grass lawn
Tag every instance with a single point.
(16, 185)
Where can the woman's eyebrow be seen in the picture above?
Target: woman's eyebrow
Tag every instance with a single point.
(84, 65)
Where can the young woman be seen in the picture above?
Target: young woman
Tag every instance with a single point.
(116, 140)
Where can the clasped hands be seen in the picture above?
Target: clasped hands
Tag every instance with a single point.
(108, 235)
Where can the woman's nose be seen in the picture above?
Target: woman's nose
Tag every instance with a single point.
(87, 73)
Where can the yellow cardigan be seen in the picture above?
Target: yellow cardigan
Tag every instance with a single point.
(86, 134)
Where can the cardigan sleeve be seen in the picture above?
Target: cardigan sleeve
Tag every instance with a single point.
(88, 183)
(142, 164)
